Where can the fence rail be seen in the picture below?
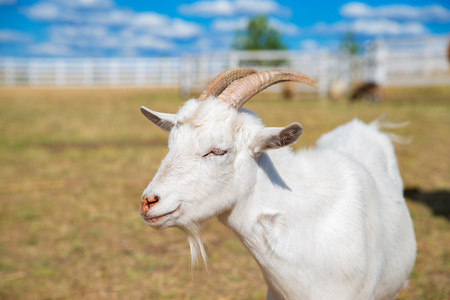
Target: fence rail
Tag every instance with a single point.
(413, 62)
(89, 72)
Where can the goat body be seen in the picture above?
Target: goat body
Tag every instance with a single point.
(324, 223)
(369, 91)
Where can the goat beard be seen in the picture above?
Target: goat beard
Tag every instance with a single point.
(196, 245)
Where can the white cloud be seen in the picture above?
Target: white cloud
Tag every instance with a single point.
(149, 42)
(204, 44)
(233, 25)
(149, 20)
(75, 12)
(115, 17)
(180, 29)
(7, 2)
(213, 42)
(96, 38)
(260, 7)
(91, 4)
(208, 8)
(163, 26)
(355, 10)
(44, 11)
(309, 44)
(13, 36)
(84, 36)
(284, 28)
(229, 25)
(96, 27)
(51, 49)
(432, 13)
(228, 8)
(372, 27)
(51, 12)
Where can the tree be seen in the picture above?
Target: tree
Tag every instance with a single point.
(349, 45)
(259, 35)
(350, 49)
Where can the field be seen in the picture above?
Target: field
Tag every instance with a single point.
(73, 164)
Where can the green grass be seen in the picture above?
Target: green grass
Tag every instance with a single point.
(73, 164)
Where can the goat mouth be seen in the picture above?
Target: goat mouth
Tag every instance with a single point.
(159, 218)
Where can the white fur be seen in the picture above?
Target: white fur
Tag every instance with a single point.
(324, 223)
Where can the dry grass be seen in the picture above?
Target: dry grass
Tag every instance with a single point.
(73, 164)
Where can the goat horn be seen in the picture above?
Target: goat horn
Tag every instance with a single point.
(224, 79)
(240, 91)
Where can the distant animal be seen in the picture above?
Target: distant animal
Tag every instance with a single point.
(369, 91)
(448, 52)
(337, 90)
(448, 55)
(287, 91)
(324, 223)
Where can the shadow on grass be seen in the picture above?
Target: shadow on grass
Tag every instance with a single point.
(438, 200)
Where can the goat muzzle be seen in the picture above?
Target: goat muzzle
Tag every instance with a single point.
(147, 201)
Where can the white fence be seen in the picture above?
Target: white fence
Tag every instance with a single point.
(410, 62)
(90, 72)
(198, 70)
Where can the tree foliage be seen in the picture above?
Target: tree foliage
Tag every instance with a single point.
(349, 45)
(258, 36)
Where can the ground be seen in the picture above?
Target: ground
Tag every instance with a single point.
(73, 164)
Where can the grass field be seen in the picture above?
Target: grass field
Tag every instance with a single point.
(73, 164)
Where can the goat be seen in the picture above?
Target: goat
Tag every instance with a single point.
(324, 223)
(287, 91)
(448, 55)
(337, 90)
(369, 91)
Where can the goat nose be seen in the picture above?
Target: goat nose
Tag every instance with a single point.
(147, 201)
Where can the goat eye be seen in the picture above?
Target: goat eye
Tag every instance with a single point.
(216, 152)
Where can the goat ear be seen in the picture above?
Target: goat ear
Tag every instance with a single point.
(162, 120)
(277, 137)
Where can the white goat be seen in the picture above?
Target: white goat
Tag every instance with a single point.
(337, 90)
(325, 223)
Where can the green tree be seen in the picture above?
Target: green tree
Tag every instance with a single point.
(351, 49)
(349, 45)
(258, 36)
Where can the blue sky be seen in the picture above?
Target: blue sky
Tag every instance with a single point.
(126, 28)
